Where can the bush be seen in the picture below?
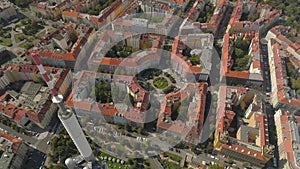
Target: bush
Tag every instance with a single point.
(169, 89)
(7, 35)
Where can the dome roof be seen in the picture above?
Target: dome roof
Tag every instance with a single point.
(70, 163)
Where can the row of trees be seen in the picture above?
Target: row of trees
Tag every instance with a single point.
(139, 163)
(12, 125)
(294, 76)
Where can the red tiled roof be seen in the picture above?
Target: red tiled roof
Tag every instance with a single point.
(16, 142)
(3, 96)
(58, 56)
(256, 64)
(93, 19)
(234, 74)
(72, 14)
(287, 138)
(107, 109)
(180, 2)
(166, 8)
(19, 115)
(9, 110)
(197, 115)
(226, 116)
(111, 61)
(261, 119)
(195, 69)
(239, 148)
(142, 95)
(295, 102)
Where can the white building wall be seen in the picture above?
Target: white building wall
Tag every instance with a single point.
(73, 128)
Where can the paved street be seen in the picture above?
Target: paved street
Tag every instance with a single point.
(267, 107)
(33, 141)
(155, 163)
(198, 159)
(266, 68)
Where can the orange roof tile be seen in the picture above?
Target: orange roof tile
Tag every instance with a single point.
(58, 56)
(195, 69)
(111, 61)
(107, 109)
(16, 142)
(234, 74)
(256, 64)
(72, 14)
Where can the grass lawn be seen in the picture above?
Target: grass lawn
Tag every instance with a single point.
(103, 154)
(42, 34)
(173, 156)
(50, 30)
(170, 165)
(120, 147)
(19, 37)
(5, 41)
(160, 82)
(27, 45)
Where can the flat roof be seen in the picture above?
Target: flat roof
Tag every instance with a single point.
(5, 160)
(31, 88)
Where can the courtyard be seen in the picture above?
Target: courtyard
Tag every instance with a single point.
(155, 80)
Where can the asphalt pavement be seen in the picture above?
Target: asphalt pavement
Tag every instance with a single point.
(33, 141)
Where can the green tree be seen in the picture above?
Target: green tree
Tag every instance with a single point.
(140, 130)
(195, 59)
(215, 166)
(246, 164)
(98, 8)
(73, 36)
(239, 53)
(21, 3)
(296, 83)
(242, 44)
(229, 160)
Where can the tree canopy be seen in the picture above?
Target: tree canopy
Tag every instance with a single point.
(290, 10)
(21, 3)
